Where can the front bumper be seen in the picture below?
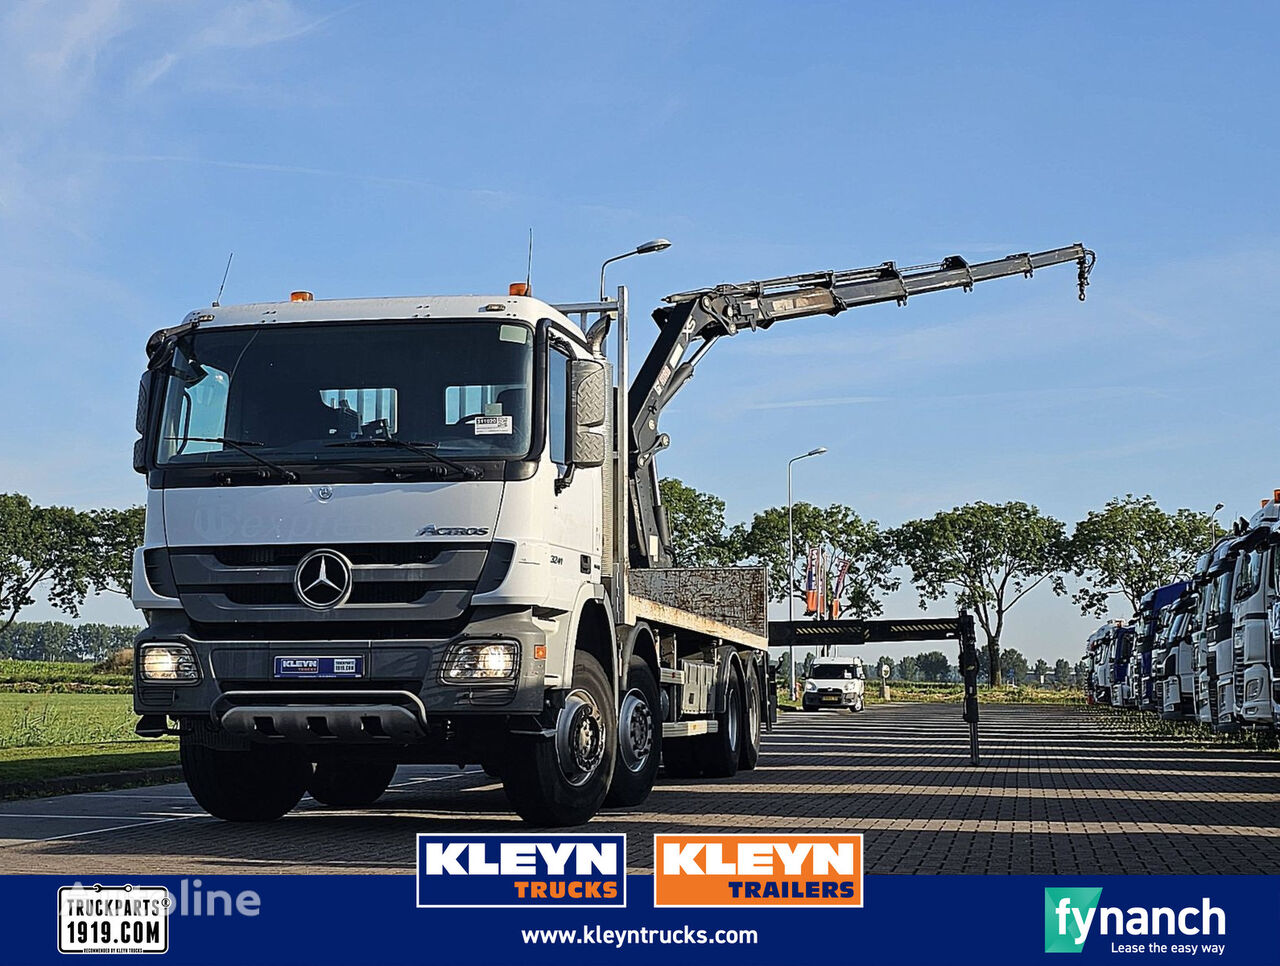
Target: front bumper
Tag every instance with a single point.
(398, 694)
(828, 699)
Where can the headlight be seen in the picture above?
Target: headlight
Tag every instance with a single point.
(850, 686)
(491, 661)
(172, 663)
(811, 685)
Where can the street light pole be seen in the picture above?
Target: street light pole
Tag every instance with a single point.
(657, 245)
(1213, 527)
(791, 566)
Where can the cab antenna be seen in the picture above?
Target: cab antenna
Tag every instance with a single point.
(528, 274)
(218, 301)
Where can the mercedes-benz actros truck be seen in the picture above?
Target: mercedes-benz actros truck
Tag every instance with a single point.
(425, 530)
(1248, 693)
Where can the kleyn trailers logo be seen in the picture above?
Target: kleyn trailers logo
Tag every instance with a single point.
(522, 870)
(1071, 915)
(733, 871)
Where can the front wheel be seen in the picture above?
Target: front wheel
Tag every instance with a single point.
(857, 703)
(350, 784)
(639, 739)
(563, 780)
(257, 784)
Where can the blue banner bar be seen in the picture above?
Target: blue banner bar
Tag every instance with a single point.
(952, 920)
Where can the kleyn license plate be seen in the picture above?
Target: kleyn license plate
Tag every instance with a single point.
(319, 667)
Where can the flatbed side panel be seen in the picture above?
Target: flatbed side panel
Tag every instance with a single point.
(733, 596)
(664, 615)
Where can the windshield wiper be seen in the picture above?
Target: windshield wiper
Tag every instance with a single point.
(421, 448)
(242, 445)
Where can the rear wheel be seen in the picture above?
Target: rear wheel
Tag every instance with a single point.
(719, 751)
(751, 721)
(257, 784)
(563, 781)
(353, 784)
(639, 738)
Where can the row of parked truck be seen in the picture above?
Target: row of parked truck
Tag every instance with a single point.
(1205, 649)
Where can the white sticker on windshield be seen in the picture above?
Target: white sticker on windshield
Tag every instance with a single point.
(493, 425)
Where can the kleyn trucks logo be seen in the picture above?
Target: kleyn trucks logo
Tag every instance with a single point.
(758, 870)
(1071, 915)
(522, 870)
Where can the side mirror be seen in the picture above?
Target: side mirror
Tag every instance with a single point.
(589, 405)
(140, 423)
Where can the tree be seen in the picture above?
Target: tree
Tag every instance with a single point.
(699, 536)
(116, 534)
(1082, 671)
(1014, 664)
(1131, 546)
(51, 548)
(989, 556)
(1041, 670)
(933, 665)
(1062, 671)
(843, 536)
(907, 668)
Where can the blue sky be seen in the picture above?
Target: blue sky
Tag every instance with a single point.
(406, 148)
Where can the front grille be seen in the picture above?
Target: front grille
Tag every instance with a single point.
(355, 631)
(1237, 668)
(360, 554)
(361, 593)
(390, 582)
(1211, 664)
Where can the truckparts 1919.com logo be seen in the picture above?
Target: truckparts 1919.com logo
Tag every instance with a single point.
(758, 870)
(522, 870)
(1072, 915)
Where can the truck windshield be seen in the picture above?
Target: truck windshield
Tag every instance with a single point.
(291, 391)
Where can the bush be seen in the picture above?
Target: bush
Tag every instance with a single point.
(119, 661)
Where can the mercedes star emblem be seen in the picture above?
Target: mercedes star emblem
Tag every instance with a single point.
(323, 579)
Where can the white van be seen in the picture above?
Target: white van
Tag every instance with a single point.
(835, 682)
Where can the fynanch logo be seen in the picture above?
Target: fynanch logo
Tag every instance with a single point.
(1068, 916)
(1071, 915)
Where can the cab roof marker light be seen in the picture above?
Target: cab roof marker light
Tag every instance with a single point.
(300, 296)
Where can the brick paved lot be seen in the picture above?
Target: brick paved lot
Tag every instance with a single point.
(1055, 793)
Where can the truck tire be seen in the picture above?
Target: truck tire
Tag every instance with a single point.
(639, 738)
(562, 781)
(258, 784)
(719, 751)
(751, 721)
(350, 784)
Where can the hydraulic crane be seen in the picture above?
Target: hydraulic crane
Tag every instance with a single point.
(698, 319)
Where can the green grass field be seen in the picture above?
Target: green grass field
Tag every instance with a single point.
(46, 720)
(20, 765)
(59, 676)
(939, 691)
(54, 735)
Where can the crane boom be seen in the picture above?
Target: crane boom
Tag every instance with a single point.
(705, 315)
